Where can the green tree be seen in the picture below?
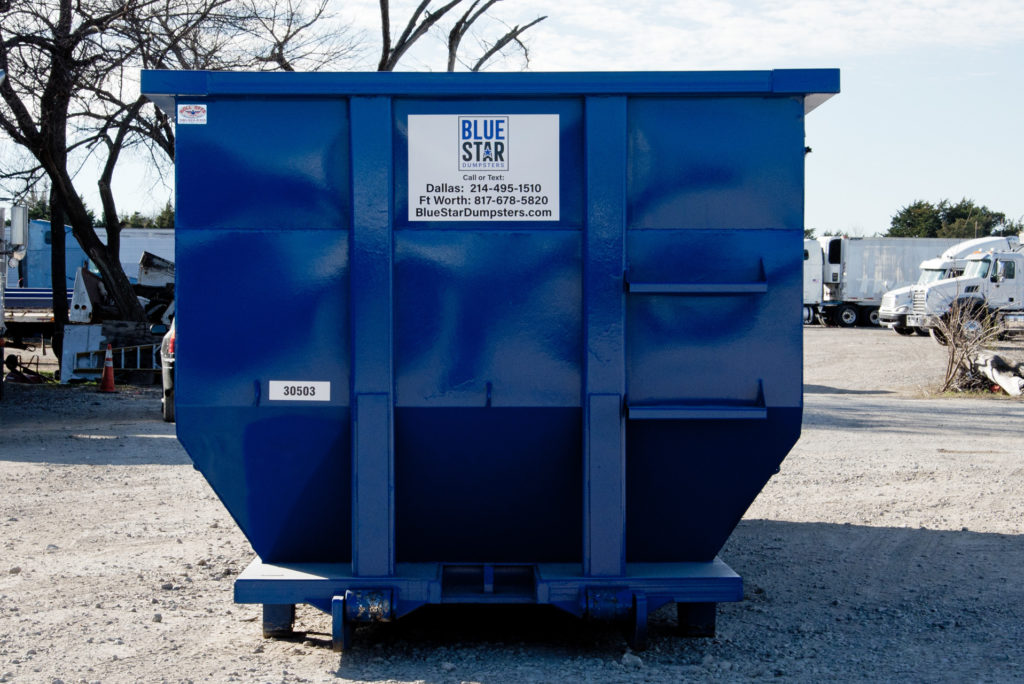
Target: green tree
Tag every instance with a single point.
(1011, 227)
(38, 205)
(136, 220)
(918, 219)
(165, 219)
(808, 233)
(964, 219)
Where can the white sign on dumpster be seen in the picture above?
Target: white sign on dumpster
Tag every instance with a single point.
(483, 167)
(299, 390)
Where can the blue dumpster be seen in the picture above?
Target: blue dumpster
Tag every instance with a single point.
(489, 338)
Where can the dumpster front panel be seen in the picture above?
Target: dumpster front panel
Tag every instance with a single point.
(715, 223)
(262, 297)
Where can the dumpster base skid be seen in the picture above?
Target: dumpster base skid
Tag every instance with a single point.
(351, 600)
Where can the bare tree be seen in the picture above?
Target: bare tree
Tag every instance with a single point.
(968, 330)
(72, 91)
(465, 23)
(423, 19)
(48, 49)
(72, 94)
(213, 35)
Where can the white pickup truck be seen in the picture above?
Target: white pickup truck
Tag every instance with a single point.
(897, 304)
(992, 284)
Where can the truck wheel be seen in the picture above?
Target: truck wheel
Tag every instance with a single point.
(976, 319)
(808, 315)
(903, 330)
(846, 316)
(871, 319)
(167, 406)
(939, 337)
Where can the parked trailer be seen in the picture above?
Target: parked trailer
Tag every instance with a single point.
(857, 271)
(33, 271)
(29, 289)
(813, 262)
(520, 370)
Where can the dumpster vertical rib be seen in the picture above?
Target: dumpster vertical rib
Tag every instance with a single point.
(373, 529)
(604, 357)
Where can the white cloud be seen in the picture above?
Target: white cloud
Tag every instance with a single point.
(732, 34)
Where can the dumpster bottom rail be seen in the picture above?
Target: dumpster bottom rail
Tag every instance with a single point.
(644, 588)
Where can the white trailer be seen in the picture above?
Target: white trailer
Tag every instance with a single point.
(812, 279)
(858, 271)
(137, 241)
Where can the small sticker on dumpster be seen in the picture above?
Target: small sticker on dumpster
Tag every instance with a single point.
(483, 167)
(191, 114)
(299, 390)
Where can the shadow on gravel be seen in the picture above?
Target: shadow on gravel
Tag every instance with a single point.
(913, 416)
(930, 605)
(95, 448)
(825, 389)
(76, 425)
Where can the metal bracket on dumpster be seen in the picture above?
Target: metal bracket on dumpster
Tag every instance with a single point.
(621, 603)
(358, 605)
(709, 409)
(759, 286)
(368, 605)
(608, 603)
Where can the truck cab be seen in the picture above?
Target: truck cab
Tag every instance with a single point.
(897, 304)
(992, 282)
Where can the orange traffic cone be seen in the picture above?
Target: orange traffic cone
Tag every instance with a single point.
(107, 379)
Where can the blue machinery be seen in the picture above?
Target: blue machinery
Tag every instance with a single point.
(489, 338)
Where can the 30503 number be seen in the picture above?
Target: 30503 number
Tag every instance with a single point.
(299, 390)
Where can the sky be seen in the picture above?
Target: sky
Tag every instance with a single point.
(932, 101)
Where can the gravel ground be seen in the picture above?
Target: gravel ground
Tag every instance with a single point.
(888, 548)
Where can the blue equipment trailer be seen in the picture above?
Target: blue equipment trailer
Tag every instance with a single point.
(31, 298)
(547, 347)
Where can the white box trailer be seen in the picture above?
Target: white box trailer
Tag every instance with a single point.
(812, 279)
(857, 272)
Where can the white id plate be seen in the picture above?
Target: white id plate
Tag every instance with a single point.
(299, 390)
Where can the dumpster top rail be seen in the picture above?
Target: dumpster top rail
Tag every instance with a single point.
(817, 84)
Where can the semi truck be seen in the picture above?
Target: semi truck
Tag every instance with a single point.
(991, 289)
(857, 271)
(897, 303)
